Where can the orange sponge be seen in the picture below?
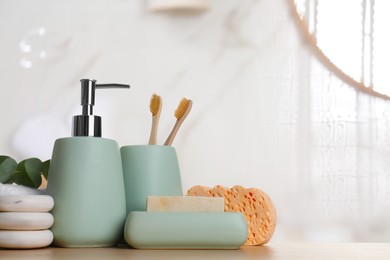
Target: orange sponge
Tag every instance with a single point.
(253, 203)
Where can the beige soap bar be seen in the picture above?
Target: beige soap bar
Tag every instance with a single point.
(185, 204)
(255, 204)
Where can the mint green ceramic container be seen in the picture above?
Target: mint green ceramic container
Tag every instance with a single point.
(149, 170)
(86, 183)
(186, 230)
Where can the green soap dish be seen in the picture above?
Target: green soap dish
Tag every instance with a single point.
(185, 230)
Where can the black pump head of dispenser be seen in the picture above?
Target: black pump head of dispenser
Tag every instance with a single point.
(87, 124)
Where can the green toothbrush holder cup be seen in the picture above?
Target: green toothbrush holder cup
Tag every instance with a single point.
(149, 170)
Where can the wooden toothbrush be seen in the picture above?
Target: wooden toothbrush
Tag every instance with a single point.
(155, 109)
(181, 113)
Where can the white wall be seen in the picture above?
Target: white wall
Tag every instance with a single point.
(218, 58)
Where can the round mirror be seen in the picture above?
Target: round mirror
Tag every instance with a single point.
(351, 38)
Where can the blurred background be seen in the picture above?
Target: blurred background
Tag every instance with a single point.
(267, 112)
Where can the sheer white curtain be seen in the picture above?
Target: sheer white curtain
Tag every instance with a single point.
(339, 150)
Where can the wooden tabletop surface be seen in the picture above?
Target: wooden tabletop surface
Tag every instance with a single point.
(272, 251)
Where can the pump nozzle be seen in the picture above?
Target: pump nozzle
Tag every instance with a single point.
(88, 124)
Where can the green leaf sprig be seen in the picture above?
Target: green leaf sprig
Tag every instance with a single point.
(27, 172)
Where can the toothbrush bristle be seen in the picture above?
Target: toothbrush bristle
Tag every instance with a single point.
(155, 104)
(182, 108)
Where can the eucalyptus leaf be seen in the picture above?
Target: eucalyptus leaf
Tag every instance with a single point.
(21, 178)
(7, 168)
(10, 180)
(45, 168)
(28, 172)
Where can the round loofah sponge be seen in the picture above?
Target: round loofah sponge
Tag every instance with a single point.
(253, 203)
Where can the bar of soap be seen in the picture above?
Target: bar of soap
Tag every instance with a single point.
(26, 203)
(185, 204)
(25, 220)
(185, 230)
(255, 204)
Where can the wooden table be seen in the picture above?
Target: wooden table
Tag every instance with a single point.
(273, 251)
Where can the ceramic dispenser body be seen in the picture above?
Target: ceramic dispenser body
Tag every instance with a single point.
(86, 183)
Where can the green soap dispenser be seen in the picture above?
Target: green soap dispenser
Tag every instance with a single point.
(86, 181)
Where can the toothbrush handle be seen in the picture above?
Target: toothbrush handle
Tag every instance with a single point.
(173, 133)
(153, 132)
